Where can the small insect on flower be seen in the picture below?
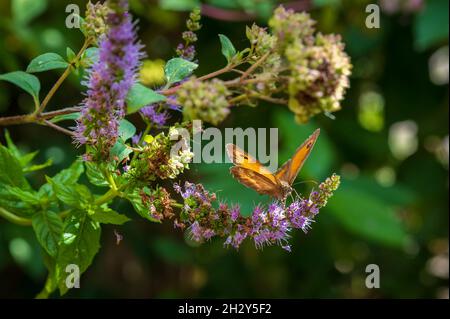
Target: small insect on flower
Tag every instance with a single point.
(118, 236)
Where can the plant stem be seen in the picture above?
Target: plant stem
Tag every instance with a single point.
(254, 66)
(175, 204)
(58, 128)
(223, 70)
(30, 118)
(14, 218)
(61, 79)
(112, 193)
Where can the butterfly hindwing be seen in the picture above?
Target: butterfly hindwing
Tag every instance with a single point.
(289, 171)
(255, 181)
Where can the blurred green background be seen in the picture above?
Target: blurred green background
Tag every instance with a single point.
(389, 143)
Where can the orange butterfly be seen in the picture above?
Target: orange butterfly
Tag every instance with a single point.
(251, 173)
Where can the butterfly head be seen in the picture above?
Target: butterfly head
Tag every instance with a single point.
(286, 189)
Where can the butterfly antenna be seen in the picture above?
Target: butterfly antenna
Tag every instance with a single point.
(296, 193)
(292, 197)
(309, 181)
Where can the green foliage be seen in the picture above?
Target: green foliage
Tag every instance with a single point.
(106, 215)
(228, 49)
(47, 61)
(401, 225)
(25, 81)
(66, 117)
(140, 96)
(95, 175)
(177, 69)
(48, 227)
(79, 244)
(368, 216)
(126, 130)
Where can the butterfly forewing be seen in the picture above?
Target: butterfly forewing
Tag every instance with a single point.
(289, 171)
(245, 160)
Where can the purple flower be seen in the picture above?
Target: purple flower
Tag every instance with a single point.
(136, 138)
(235, 213)
(186, 52)
(172, 104)
(157, 118)
(196, 232)
(109, 81)
(266, 226)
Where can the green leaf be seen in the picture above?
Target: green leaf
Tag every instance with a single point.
(126, 130)
(431, 25)
(95, 175)
(228, 49)
(66, 117)
(120, 150)
(70, 54)
(38, 167)
(89, 57)
(140, 96)
(24, 160)
(70, 175)
(48, 227)
(177, 69)
(25, 81)
(65, 192)
(47, 61)
(79, 245)
(11, 146)
(365, 215)
(10, 202)
(24, 11)
(105, 215)
(179, 5)
(28, 198)
(10, 169)
(51, 284)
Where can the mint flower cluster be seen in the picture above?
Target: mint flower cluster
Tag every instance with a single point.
(186, 50)
(204, 100)
(266, 226)
(157, 158)
(95, 24)
(288, 63)
(110, 79)
(317, 64)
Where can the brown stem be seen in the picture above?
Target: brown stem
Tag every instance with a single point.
(58, 128)
(240, 15)
(226, 69)
(31, 118)
(225, 15)
(254, 66)
(272, 99)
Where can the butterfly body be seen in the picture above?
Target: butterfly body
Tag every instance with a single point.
(251, 173)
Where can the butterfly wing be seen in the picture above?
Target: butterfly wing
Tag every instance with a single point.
(289, 171)
(245, 160)
(256, 181)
